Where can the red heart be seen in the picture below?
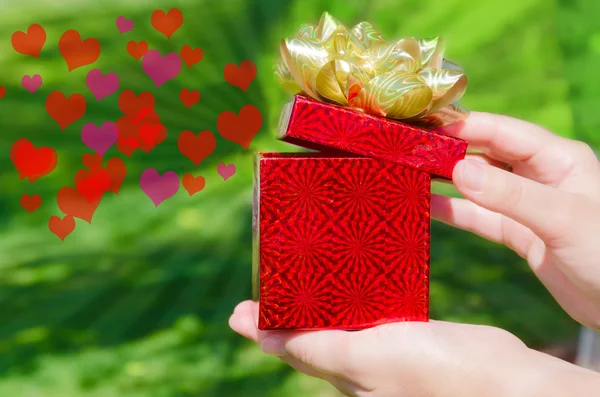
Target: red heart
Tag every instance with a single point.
(61, 227)
(131, 105)
(190, 56)
(137, 50)
(31, 203)
(240, 76)
(29, 43)
(188, 97)
(160, 136)
(196, 148)
(126, 128)
(65, 111)
(117, 171)
(30, 162)
(92, 185)
(91, 161)
(193, 185)
(149, 132)
(2, 91)
(127, 145)
(167, 24)
(76, 52)
(147, 114)
(71, 202)
(240, 129)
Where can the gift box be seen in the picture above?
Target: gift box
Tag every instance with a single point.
(343, 241)
(342, 235)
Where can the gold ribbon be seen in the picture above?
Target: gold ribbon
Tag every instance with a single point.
(406, 80)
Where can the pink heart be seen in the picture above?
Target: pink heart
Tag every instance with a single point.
(102, 86)
(124, 25)
(159, 188)
(31, 84)
(161, 69)
(226, 171)
(99, 139)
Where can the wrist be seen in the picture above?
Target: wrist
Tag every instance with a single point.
(539, 374)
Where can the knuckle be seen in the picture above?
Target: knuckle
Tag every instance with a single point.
(306, 353)
(512, 192)
(583, 149)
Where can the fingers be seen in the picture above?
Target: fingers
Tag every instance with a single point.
(483, 158)
(505, 137)
(468, 216)
(244, 321)
(322, 350)
(534, 152)
(547, 211)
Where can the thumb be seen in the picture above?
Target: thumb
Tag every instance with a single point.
(549, 212)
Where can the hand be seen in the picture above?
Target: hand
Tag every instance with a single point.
(413, 359)
(547, 210)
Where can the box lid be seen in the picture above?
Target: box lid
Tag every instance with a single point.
(326, 127)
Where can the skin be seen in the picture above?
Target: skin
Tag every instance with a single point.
(547, 210)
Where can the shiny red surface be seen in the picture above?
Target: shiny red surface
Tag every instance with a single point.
(317, 125)
(343, 242)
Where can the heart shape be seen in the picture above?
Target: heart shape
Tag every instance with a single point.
(30, 203)
(102, 85)
(193, 184)
(99, 139)
(154, 138)
(30, 43)
(91, 160)
(196, 148)
(31, 162)
(240, 76)
(71, 202)
(65, 111)
(32, 83)
(127, 145)
(131, 105)
(78, 53)
(137, 50)
(92, 184)
(159, 188)
(167, 23)
(241, 128)
(124, 25)
(144, 115)
(191, 56)
(226, 170)
(117, 171)
(61, 227)
(189, 98)
(149, 133)
(161, 69)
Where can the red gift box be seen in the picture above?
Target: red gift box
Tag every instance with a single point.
(342, 239)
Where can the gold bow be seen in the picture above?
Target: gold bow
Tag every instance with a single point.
(407, 80)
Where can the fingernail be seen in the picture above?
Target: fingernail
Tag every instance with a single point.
(473, 175)
(273, 345)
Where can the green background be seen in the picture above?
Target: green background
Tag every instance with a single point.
(137, 303)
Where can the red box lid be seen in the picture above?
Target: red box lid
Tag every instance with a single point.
(321, 126)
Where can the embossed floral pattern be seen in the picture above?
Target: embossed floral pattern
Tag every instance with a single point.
(346, 227)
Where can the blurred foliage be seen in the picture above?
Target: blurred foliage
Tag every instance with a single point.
(136, 304)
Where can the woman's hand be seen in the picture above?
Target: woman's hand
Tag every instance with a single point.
(547, 210)
(414, 359)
